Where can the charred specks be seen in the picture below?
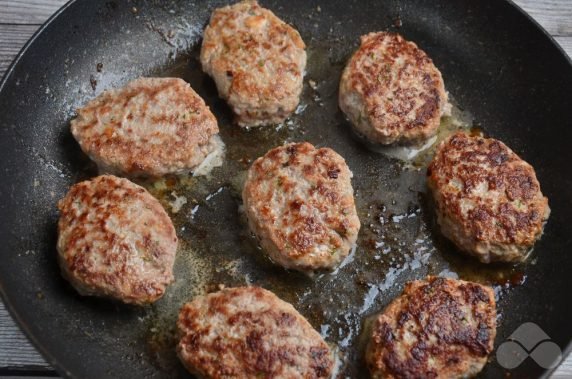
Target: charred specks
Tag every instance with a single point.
(291, 149)
(497, 155)
(333, 172)
(296, 205)
(93, 82)
(321, 359)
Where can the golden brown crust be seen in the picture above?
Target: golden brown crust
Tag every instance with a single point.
(256, 60)
(152, 126)
(115, 240)
(299, 202)
(248, 332)
(438, 328)
(391, 90)
(488, 199)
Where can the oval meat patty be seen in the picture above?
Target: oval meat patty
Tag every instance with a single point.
(150, 127)
(391, 91)
(257, 62)
(115, 240)
(248, 332)
(299, 203)
(438, 328)
(488, 200)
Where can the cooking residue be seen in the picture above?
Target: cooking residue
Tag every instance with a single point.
(177, 203)
(397, 242)
(417, 157)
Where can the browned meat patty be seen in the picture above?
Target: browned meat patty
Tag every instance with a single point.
(248, 332)
(150, 127)
(488, 200)
(438, 328)
(391, 91)
(115, 240)
(299, 203)
(257, 62)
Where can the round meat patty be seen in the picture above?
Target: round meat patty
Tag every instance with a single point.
(299, 203)
(150, 127)
(248, 332)
(391, 91)
(438, 328)
(115, 240)
(488, 200)
(257, 62)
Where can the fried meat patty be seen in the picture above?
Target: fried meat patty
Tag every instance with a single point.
(248, 332)
(257, 62)
(150, 127)
(438, 328)
(488, 200)
(299, 202)
(115, 240)
(391, 91)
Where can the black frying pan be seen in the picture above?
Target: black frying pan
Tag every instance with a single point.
(497, 64)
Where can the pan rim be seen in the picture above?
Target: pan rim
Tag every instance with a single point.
(13, 312)
(44, 352)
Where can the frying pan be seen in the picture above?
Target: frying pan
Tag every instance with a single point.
(499, 66)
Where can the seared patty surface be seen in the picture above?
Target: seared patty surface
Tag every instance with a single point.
(248, 332)
(438, 328)
(115, 240)
(391, 91)
(150, 127)
(488, 200)
(257, 62)
(299, 203)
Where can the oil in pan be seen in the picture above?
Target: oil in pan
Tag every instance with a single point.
(397, 242)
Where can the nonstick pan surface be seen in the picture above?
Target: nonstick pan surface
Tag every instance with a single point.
(506, 76)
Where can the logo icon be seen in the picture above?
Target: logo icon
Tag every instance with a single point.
(528, 340)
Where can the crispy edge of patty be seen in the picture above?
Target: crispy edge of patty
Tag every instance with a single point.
(248, 349)
(383, 121)
(448, 323)
(501, 228)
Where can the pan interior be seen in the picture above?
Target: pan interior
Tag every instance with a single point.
(479, 49)
(397, 242)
